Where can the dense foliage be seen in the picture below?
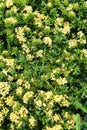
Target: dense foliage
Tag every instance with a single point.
(43, 65)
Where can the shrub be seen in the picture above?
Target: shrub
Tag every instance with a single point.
(43, 65)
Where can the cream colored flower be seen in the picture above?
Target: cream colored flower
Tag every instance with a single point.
(19, 81)
(14, 117)
(61, 81)
(72, 43)
(9, 3)
(4, 88)
(5, 111)
(26, 85)
(27, 96)
(58, 98)
(1, 118)
(47, 41)
(28, 9)
(14, 9)
(80, 34)
(70, 7)
(66, 28)
(48, 95)
(32, 122)
(56, 127)
(49, 113)
(85, 4)
(23, 112)
(29, 57)
(38, 102)
(25, 48)
(57, 118)
(59, 22)
(84, 51)
(10, 20)
(39, 53)
(20, 34)
(2, 5)
(19, 91)
(10, 100)
(49, 4)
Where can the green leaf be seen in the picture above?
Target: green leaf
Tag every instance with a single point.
(78, 105)
(77, 119)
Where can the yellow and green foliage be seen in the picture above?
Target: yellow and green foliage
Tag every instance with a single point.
(43, 64)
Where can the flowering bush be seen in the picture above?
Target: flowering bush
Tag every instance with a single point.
(43, 65)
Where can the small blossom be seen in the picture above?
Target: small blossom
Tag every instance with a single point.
(9, 3)
(47, 41)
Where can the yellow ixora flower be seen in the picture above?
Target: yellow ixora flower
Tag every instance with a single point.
(66, 29)
(27, 96)
(38, 102)
(72, 43)
(4, 88)
(28, 9)
(85, 4)
(9, 3)
(32, 122)
(47, 41)
(61, 81)
(55, 127)
(39, 53)
(19, 91)
(10, 20)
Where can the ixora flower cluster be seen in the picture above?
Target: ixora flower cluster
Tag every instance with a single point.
(43, 64)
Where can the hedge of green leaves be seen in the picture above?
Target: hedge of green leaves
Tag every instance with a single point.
(43, 65)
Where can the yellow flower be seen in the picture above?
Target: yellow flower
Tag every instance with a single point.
(47, 41)
(61, 81)
(39, 53)
(84, 51)
(72, 43)
(23, 112)
(14, 117)
(9, 3)
(27, 96)
(4, 88)
(70, 7)
(29, 57)
(2, 5)
(5, 111)
(58, 98)
(59, 22)
(20, 34)
(85, 4)
(49, 113)
(25, 48)
(80, 34)
(1, 118)
(19, 91)
(56, 127)
(72, 14)
(38, 102)
(9, 62)
(48, 95)
(32, 122)
(75, 6)
(10, 20)
(10, 100)
(66, 28)
(19, 81)
(28, 9)
(49, 4)
(14, 9)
